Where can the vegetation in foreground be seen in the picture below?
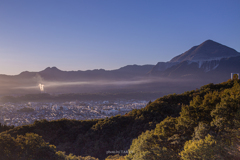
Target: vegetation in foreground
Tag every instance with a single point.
(198, 124)
(207, 128)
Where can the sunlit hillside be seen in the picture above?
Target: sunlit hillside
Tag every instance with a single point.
(201, 123)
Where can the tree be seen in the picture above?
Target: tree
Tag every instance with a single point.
(227, 113)
(204, 149)
(9, 148)
(148, 147)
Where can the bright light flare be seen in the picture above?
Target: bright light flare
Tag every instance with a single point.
(41, 86)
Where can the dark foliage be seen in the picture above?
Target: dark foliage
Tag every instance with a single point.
(95, 137)
(207, 128)
(5, 127)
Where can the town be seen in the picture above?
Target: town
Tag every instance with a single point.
(13, 114)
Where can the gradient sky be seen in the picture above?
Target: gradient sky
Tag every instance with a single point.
(109, 34)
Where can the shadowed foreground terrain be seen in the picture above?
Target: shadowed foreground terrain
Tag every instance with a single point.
(198, 124)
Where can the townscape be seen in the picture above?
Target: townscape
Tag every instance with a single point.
(26, 113)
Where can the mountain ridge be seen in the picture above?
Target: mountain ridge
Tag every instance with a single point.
(200, 61)
(209, 62)
(207, 51)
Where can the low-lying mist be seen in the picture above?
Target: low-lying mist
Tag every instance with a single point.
(146, 84)
(57, 84)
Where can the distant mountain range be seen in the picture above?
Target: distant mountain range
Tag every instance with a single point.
(209, 62)
(53, 73)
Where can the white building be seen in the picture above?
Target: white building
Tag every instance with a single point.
(234, 76)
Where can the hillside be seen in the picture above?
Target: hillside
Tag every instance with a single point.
(173, 120)
(207, 128)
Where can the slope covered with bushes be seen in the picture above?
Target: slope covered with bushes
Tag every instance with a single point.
(207, 128)
(166, 128)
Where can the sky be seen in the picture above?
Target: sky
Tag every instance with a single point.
(109, 34)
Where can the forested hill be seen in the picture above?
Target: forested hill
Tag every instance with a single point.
(198, 124)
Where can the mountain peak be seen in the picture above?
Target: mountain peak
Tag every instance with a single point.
(208, 50)
(209, 41)
(51, 69)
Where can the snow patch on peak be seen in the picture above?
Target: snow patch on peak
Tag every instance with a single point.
(207, 65)
(200, 63)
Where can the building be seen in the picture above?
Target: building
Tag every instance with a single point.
(234, 76)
